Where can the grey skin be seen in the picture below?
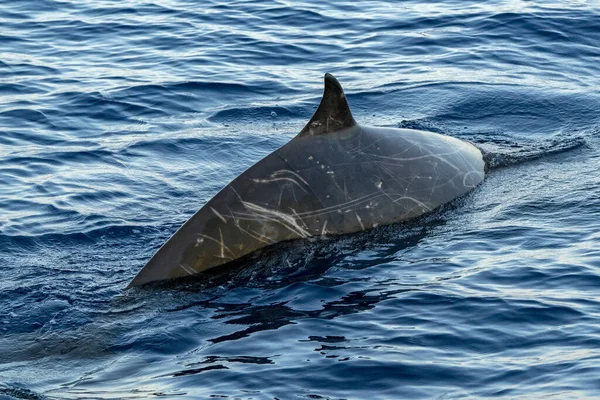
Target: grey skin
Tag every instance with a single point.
(334, 177)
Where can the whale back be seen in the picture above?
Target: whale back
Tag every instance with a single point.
(335, 177)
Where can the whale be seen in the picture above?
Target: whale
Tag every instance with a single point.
(335, 177)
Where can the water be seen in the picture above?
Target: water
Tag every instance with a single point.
(118, 120)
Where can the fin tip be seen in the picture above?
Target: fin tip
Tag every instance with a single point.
(333, 113)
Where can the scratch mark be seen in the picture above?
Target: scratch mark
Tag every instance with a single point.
(187, 268)
(221, 243)
(323, 230)
(219, 215)
(288, 171)
(360, 221)
(285, 219)
(425, 206)
(279, 179)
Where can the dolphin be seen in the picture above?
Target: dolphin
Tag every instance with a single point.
(334, 177)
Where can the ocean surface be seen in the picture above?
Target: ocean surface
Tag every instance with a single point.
(118, 120)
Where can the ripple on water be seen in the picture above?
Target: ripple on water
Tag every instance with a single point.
(118, 121)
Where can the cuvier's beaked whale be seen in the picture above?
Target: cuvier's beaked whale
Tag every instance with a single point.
(334, 177)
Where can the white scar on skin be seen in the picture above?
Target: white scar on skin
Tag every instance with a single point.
(300, 218)
(256, 235)
(323, 230)
(279, 176)
(285, 219)
(288, 171)
(220, 243)
(479, 175)
(219, 215)
(279, 179)
(425, 206)
(187, 269)
(359, 221)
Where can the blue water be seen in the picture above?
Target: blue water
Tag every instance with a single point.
(118, 120)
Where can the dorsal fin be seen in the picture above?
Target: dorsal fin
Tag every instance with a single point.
(333, 113)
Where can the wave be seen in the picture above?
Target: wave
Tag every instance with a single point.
(106, 229)
(16, 391)
(504, 153)
(260, 114)
(118, 120)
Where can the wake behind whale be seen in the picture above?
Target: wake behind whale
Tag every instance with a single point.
(335, 177)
